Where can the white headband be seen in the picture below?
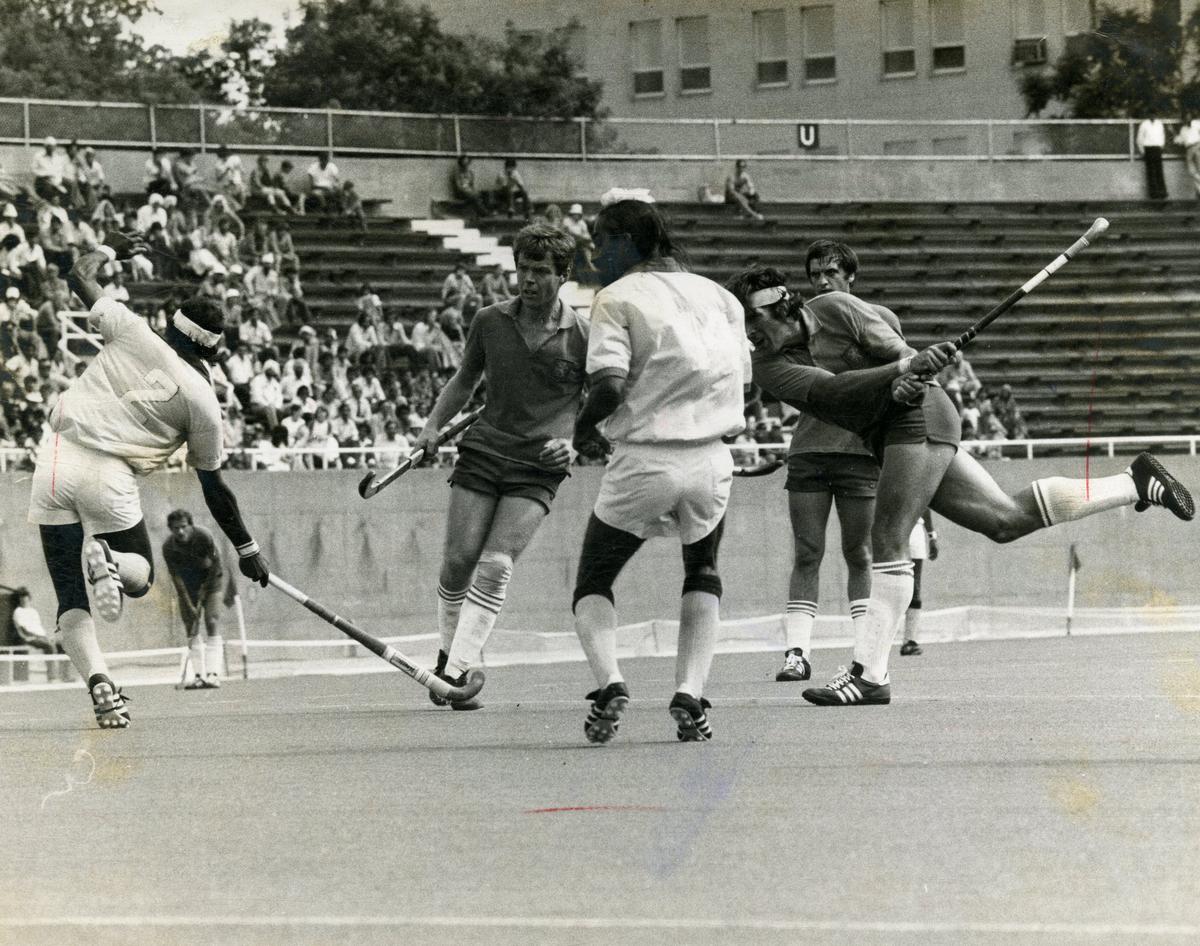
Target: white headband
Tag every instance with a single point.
(201, 336)
(765, 297)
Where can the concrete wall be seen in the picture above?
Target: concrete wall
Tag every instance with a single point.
(377, 561)
(411, 183)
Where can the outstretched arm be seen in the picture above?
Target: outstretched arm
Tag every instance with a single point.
(82, 279)
(224, 508)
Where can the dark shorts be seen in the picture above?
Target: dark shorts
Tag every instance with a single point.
(840, 474)
(498, 476)
(934, 420)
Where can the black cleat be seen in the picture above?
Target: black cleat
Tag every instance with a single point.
(910, 648)
(604, 715)
(688, 713)
(795, 667)
(1157, 487)
(110, 704)
(848, 688)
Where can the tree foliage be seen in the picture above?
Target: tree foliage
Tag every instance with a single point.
(1134, 63)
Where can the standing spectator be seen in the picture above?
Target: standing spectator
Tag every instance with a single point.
(1151, 137)
(230, 180)
(462, 186)
(69, 164)
(188, 183)
(91, 178)
(494, 286)
(48, 171)
(510, 189)
(157, 175)
(457, 283)
(959, 381)
(194, 563)
(324, 185)
(741, 192)
(1189, 139)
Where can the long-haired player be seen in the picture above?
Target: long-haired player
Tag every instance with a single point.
(913, 429)
(140, 400)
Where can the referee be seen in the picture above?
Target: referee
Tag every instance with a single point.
(194, 564)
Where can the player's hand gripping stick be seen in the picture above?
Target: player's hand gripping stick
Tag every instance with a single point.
(427, 678)
(368, 487)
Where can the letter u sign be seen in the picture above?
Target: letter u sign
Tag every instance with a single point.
(807, 135)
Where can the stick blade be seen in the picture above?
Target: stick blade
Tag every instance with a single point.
(364, 486)
(474, 683)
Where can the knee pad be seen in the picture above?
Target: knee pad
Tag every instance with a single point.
(493, 571)
(703, 581)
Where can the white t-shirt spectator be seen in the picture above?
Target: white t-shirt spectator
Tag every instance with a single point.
(254, 333)
(266, 391)
(323, 178)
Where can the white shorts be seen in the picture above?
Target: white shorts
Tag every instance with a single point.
(662, 490)
(72, 483)
(918, 543)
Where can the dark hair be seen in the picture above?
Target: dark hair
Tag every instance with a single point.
(179, 515)
(749, 281)
(541, 241)
(834, 250)
(643, 223)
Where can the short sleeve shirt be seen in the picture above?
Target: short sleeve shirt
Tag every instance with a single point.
(195, 561)
(532, 396)
(138, 400)
(680, 342)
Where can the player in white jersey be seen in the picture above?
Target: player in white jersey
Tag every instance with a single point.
(141, 399)
(667, 363)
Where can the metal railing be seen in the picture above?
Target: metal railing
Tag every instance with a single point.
(18, 457)
(372, 133)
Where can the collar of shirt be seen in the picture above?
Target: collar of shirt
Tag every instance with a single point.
(566, 315)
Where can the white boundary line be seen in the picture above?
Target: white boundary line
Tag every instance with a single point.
(613, 923)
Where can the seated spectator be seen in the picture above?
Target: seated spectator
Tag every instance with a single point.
(262, 289)
(91, 179)
(254, 331)
(157, 175)
(23, 318)
(104, 214)
(230, 181)
(234, 429)
(291, 295)
(344, 430)
(368, 302)
(28, 624)
(458, 283)
(56, 299)
(428, 337)
(283, 246)
(220, 209)
(372, 386)
(213, 285)
(362, 336)
(296, 377)
(575, 226)
(70, 176)
(392, 447)
(959, 380)
(165, 263)
(494, 286)
(462, 186)
(116, 288)
(263, 185)
(293, 421)
(352, 205)
(510, 190)
(8, 223)
(48, 165)
(272, 453)
(741, 192)
(318, 435)
(970, 415)
(239, 369)
(153, 211)
(324, 185)
(21, 264)
(56, 246)
(9, 188)
(48, 373)
(257, 241)
(23, 366)
(451, 320)
(53, 209)
(224, 243)
(360, 405)
(1005, 406)
(231, 321)
(284, 182)
(266, 395)
(188, 183)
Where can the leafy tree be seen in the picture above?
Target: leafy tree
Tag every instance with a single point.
(388, 55)
(1134, 63)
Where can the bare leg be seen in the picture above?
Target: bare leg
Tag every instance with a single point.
(809, 514)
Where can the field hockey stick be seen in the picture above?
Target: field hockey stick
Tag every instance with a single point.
(427, 679)
(765, 468)
(1095, 231)
(367, 487)
(241, 622)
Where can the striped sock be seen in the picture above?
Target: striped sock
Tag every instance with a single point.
(448, 607)
(891, 592)
(862, 639)
(1060, 499)
(798, 624)
(484, 600)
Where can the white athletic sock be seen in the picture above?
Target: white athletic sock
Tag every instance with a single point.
(482, 606)
(133, 569)
(798, 624)
(596, 625)
(699, 621)
(862, 634)
(448, 608)
(1060, 499)
(891, 593)
(214, 655)
(912, 623)
(77, 633)
(196, 656)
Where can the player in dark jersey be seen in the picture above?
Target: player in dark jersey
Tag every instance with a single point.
(913, 429)
(194, 564)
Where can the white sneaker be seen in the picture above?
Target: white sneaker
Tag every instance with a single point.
(108, 593)
(212, 681)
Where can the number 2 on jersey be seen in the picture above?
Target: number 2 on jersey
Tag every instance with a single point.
(157, 387)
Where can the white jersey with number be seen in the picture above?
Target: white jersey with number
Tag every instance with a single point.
(138, 400)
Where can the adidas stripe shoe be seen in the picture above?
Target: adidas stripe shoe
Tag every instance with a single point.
(439, 669)
(110, 704)
(689, 716)
(604, 715)
(212, 682)
(108, 594)
(910, 648)
(1157, 487)
(848, 688)
(196, 683)
(795, 667)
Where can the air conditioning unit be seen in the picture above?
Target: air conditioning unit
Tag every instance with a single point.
(1029, 52)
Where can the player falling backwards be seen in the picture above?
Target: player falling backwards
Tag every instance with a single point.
(141, 398)
(913, 429)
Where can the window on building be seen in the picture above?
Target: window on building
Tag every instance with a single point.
(695, 73)
(820, 61)
(948, 35)
(899, 51)
(770, 47)
(1077, 16)
(645, 38)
